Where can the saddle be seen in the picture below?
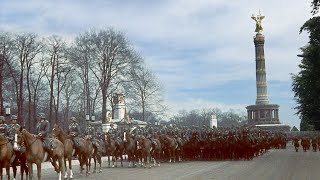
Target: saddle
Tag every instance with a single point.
(76, 141)
(48, 144)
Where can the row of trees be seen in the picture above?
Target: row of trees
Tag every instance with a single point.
(306, 83)
(47, 74)
(202, 117)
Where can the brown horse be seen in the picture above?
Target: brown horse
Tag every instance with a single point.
(130, 146)
(58, 132)
(171, 145)
(84, 150)
(114, 148)
(35, 152)
(6, 152)
(146, 148)
(19, 159)
(86, 154)
(97, 153)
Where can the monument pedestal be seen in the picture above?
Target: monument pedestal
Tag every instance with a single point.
(263, 114)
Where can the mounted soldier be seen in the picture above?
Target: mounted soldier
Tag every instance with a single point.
(43, 128)
(3, 127)
(74, 132)
(91, 133)
(12, 128)
(113, 131)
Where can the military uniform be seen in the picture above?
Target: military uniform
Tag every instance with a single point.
(3, 127)
(90, 131)
(113, 132)
(42, 129)
(74, 131)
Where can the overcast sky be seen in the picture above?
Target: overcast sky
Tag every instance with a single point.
(201, 50)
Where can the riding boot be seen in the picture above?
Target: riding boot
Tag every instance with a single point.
(13, 158)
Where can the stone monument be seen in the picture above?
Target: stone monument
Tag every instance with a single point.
(262, 114)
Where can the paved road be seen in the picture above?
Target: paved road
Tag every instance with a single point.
(273, 165)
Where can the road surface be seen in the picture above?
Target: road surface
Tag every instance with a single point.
(276, 164)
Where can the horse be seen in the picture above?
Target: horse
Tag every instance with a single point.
(156, 152)
(86, 155)
(35, 152)
(6, 152)
(130, 146)
(295, 142)
(305, 143)
(146, 148)
(114, 148)
(97, 153)
(58, 132)
(19, 159)
(170, 144)
(314, 143)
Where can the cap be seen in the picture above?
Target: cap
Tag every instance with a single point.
(14, 117)
(41, 115)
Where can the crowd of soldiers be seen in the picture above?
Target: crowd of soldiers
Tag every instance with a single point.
(198, 142)
(211, 143)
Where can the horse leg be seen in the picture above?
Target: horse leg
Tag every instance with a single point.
(95, 163)
(24, 167)
(65, 166)
(30, 170)
(121, 158)
(14, 169)
(1, 171)
(87, 165)
(70, 167)
(39, 170)
(108, 161)
(8, 170)
(61, 166)
(99, 161)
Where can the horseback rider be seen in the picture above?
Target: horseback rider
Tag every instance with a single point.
(12, 132)
(3, 127)
(43, 128)
(91, 133)
(74, 132)
(113, 131)
(150, 134)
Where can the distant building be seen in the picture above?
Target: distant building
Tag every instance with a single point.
(120, 117)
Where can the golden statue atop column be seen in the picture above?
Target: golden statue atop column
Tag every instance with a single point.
(258, 20)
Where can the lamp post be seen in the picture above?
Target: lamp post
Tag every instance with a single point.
(7, 109)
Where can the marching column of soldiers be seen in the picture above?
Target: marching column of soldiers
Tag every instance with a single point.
(196, 142)
(212, 143)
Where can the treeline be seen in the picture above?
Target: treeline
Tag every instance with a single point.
(230, 118)
(77, 77)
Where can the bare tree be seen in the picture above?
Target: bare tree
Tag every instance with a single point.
(57, 75)
(6, 49)
(26, 47)
(146, 91)
(113, 57)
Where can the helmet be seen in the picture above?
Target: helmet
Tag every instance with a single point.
(14, 117)
(2, 118)
(41, 116)
(73, 118)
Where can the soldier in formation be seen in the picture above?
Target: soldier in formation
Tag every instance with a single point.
(43, 128)
(3, 127)
(74, 132)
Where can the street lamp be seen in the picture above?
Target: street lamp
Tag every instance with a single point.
(87, 117)
(93, 118)
(8, 110)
